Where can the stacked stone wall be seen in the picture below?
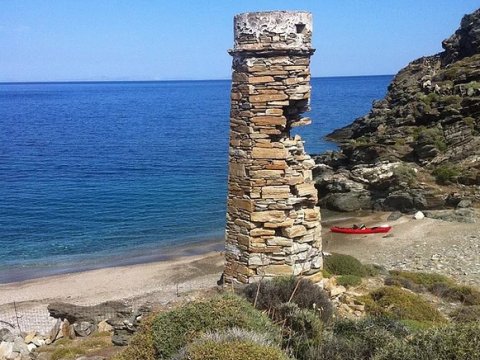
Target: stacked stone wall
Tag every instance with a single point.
(273, 223)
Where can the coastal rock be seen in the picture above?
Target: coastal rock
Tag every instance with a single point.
(84, 328)
(458, 215)
(419, 142)
(91, 314)
(55, 331)
(103, 326)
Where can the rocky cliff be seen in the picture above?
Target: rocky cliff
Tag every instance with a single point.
(419, 147)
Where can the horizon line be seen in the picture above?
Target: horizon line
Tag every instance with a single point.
(154, 81)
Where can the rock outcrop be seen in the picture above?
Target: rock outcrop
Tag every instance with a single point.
(420, 143)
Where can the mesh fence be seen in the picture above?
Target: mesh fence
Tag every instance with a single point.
(28, 316)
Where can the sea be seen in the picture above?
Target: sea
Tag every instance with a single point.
(98, 174)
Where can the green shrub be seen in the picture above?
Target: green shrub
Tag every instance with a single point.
(271, 294)
(64, 353)
(416, 281)
(232, 344)
(466, 314)
(467, 295)
(399, 304)
(141, 346)
(405, 174)
(301, 328)
(172, 330)
(445, 174)
(459, 342)
(232, 350)
(438, 285)
(350, 339)
(340, 264)
(349, 280)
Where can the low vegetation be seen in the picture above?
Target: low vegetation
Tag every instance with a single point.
(445, 174)
(438, 285)
(340, 264)
(290, 318)
(399, 304)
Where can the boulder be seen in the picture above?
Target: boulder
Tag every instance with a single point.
(347, 202)
(458, 215)
(84, 328)
(91, 314)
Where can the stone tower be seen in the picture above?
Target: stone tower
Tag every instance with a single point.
(273, 223)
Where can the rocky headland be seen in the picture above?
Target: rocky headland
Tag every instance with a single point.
(419, 147)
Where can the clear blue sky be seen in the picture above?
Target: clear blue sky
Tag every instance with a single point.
(61, 40)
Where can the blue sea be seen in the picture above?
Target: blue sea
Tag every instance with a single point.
(103, 174)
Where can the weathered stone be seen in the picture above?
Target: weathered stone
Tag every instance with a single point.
(294, 231)
(276, 192)
(84, 328)
(55, 330)
(270, 120)
(261, 232)
(260, 79)
(275, 270)
(92, 314)
(274, 216)
(266, 153)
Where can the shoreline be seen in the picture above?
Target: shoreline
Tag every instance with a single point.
(71, 264)
(130, 257)
(448, 248)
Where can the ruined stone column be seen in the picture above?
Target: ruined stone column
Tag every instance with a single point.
(273, 223)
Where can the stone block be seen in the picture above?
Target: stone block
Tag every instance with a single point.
(279, 241)
(274, 225)
(262, 232)
(264, 153)
(275, 270)
(276, 192)
(260, 79)
(294, 231)
(272, 216)
(267, 97)
(269, 120)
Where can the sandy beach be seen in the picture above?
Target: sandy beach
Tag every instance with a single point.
(422, 245)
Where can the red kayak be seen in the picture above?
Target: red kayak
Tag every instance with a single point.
(372, 230)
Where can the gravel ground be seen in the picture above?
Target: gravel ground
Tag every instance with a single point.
(449, 248)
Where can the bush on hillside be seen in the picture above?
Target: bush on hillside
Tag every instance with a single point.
(340, 264)
(271, 294)
(349, 280)
(466, 314)
(446, 174)
(399, 304)
(350, 339)
(233, 344)
(466, 295)
(302, 328)
(141, 345)
(438, 285)
(459, 342)
(172, 330)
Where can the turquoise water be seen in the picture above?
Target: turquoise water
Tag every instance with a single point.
(98, 174)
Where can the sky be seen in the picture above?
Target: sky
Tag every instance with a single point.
(108, 40)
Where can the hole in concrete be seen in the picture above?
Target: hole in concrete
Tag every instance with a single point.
(300, 28)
